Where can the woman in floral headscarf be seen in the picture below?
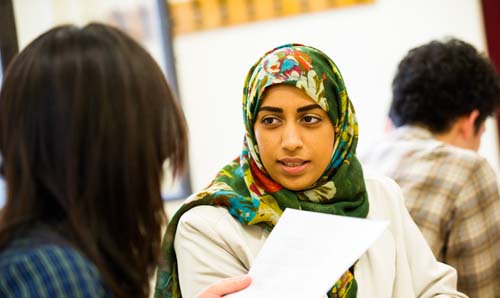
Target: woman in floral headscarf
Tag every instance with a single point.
(298, 152)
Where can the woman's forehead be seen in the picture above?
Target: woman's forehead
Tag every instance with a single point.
(285, 95)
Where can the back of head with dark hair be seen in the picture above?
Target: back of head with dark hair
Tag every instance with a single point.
(86, 123)
(439, 82)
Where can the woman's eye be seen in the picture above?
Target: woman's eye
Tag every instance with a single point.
(311, 119)
(269, 120)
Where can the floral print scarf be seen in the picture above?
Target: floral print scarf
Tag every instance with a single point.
(250, 194)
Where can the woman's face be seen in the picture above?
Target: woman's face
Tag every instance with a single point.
(295, 137)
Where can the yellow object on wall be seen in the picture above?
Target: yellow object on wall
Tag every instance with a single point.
(194, 15)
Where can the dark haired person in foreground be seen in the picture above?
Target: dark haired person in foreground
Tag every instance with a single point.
(86, 122)
(443, 92)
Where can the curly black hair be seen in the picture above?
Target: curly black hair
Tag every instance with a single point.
(438, 82)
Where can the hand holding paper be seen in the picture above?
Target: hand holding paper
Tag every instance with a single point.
(307, 252)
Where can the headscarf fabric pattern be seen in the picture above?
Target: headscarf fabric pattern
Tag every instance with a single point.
(245, 188)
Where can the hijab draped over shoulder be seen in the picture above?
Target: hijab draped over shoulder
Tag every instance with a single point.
(250, 194)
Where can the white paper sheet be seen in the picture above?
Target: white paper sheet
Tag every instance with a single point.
(307, 252)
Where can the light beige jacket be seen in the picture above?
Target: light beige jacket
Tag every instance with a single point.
(211, 244)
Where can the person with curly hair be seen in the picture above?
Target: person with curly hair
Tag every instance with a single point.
(443, 92)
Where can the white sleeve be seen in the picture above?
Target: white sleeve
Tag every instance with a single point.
(211, 245)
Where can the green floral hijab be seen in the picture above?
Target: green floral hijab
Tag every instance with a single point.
(249, 193)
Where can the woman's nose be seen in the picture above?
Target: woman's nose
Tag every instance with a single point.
(291, 138)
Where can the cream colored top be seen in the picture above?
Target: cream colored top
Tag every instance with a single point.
(211, 244)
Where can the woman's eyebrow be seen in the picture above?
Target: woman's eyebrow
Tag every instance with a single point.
(299, 110)
(307, 108)
(271, 109)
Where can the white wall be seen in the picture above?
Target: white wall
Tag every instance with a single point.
(365, 41)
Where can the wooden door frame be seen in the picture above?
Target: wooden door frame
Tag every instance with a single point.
(491, 17)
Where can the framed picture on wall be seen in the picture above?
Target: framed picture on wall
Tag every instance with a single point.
(148, 21)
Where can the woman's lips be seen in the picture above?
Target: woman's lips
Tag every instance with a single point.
(293, 166)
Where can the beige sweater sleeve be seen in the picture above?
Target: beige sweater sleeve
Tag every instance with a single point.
(210, 245)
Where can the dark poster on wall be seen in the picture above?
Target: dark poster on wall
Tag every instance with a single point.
(8, 49)
(8, 35)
